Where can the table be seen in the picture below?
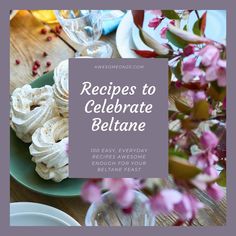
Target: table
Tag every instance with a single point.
(27, 45)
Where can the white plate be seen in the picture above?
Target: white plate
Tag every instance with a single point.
(35, 209)
(153, 33)
(124, 42)
(215, 27)
(35, 219)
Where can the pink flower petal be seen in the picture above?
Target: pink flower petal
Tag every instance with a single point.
(192, 74)
(209, 140)
(163, 32)
(164, 201)
(155, 12)
(209, 54)
(154, 23)
(215, 191)
(188, 207)
(189, 50)
(189, 64)
(90, 192)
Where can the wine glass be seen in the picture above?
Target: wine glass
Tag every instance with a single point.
(107, 212)
(85, 28)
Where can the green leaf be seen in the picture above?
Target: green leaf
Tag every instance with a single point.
(217, 88)
(182, 169)
(171, 14)
(189, 124)
(177, 153)
(200, 25)
(175, 40)
(201, 110)
(216, 92)
(214, 127)
(222, 178)
(182, 107)
(196, 27)
(177, 70)
(185, 28)
(173, 134)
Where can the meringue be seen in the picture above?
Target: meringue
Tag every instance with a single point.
(30, 109)
(56, 175)
(49, 149)
(61, 87)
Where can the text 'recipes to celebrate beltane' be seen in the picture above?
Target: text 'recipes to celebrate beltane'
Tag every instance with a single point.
(111, 104)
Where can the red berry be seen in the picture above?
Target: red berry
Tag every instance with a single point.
(49, 38)
(44, 54)
(57, 29)
(60, 27)
(43, 31)
(48, 63)
(37, 63)
(34, 68)
(17, 61)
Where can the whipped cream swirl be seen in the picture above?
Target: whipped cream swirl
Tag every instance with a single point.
(49, 149)
(54, 174)
(61, 87)
(30, 109)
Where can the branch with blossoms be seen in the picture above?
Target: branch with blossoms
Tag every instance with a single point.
(197, 120)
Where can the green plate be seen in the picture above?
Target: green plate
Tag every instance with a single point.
(22, 168)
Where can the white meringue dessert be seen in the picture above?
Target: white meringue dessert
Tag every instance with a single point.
(30, 109)
(54, 174)
(61, 87)
(49, 149)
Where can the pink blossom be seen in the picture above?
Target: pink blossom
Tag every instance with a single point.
(189, 64)
(164, 201)
(163, 32)
(211, 171)
(217, 72)
(188, 50)
(116, 184)
(125, 197)
(91, 192)
(203, 159)
(215, 191)
(192, 74)
(123, 190)
(155, 12)
(222, 63)
(209, 140)
(155, 22)
(188, 96)
(200, 95)
(188, 207)
(209, 54)
(191, 97)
